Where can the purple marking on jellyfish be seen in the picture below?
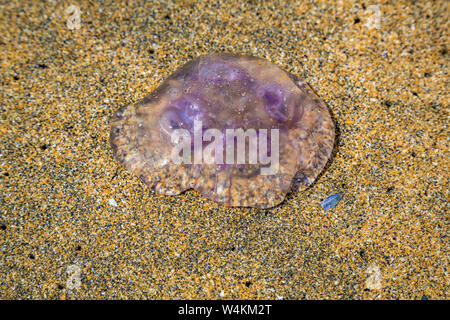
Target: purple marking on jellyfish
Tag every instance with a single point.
(171, 120)
(221, 73)
(191, 108)
(275, 102)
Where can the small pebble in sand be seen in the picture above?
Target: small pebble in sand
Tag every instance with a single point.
(331, 201)
(112, 202)
(74, 277)
(373, 282)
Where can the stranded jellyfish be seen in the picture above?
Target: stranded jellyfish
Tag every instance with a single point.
(237, 129)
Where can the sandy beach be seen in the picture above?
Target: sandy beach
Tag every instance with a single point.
(74, 224)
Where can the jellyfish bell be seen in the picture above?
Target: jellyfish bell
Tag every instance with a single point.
(248, 95)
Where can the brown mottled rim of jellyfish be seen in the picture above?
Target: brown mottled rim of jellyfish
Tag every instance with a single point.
(226, 91)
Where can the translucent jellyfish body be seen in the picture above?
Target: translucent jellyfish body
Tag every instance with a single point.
(237, 129)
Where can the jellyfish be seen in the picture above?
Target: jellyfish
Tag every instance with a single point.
(243, 131)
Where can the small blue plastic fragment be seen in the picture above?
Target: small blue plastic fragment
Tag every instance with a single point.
(331, 201)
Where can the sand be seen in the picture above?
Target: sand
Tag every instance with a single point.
(75, 225)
